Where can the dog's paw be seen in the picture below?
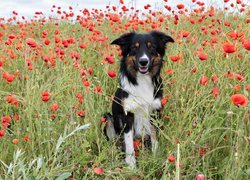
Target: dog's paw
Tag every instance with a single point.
(156, 104)
(130, 160)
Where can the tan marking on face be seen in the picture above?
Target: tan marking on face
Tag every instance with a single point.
(157, 64)
(130, 63)
(137, 45)
(149, 44)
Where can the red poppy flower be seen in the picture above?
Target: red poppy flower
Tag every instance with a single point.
(215, 91)
(110, 59)
(82, 46)
(15, 141)
(5, 121)
(54, 107)
(246, 44)
(2, 133)
(248, 87)
(98, 170)
(112, 73)
(31, 42)
(202, 56)
(102, 120)
(98, 89)
(26, 138)
(229, 47)
(171, 158)
(164, 101)
(10, 99)
(194, 70)
(200, 177)
(203, 80)
(239, 100)
(180, 6)
(16, 117)
(81, 113)
(185, 33)
(52, 116)
(1, 63)
(137, 144)
(8, 77)
(45, 96)
(214, 78)
(86, 83)
(46, 41)
(175, 58)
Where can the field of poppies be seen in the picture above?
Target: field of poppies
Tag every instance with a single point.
(59, 74)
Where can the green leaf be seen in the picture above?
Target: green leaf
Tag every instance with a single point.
(64, 176)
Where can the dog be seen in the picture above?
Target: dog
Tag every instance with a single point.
(138, 99)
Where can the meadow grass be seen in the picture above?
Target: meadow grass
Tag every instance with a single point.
(210, 132)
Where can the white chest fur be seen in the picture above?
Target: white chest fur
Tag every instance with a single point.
(141, 102)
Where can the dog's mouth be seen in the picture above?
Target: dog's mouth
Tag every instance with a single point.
(143, 70)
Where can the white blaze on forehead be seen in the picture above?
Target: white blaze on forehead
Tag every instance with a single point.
(144, 56)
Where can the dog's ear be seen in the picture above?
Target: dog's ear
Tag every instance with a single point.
(124, 39)
(124, 42)
(162, 39)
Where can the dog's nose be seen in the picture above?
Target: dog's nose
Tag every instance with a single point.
(143, 61)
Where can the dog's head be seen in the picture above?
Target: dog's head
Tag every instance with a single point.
(143, 52)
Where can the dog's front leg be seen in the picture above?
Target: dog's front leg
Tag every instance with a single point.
(130, 152)
(154, 139)
(154, 135)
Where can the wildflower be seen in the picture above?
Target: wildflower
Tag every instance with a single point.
(180, 6)
(112, 73)
(8, 77)
(103, 120)
(248, 87)
(164, 101)
(215, 91)
(200, 177)
(26, 138)
(15, 141)
(194, 70)
(175, 58)
(110, 59)
(98, 89)
(45, 96)
(171, 158)
(229, 48)
(5, 121)
(246, 44)
(54, 107)
(185, 33)
(82, 46)
(203, 80)
(2, 133)
(98, 170)
(31, 42)
(237, 87)
(214, 78)
(137, 144)
(52, 116)
(16, 117)
(81, 113)
(239, 100)
(202, 56)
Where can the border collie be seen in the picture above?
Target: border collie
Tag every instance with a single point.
(140, 92)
